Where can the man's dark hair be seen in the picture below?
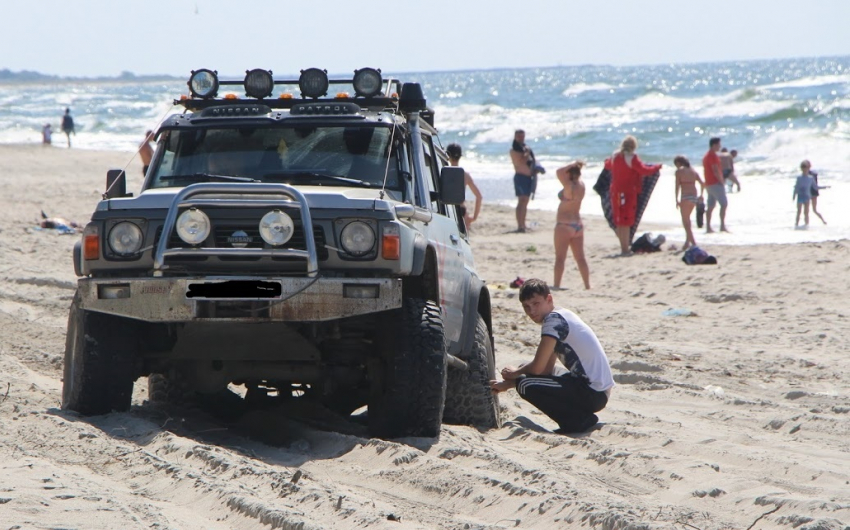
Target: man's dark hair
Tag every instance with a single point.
(454, 151)
(714, 141)
(531, 287)
(519, 131)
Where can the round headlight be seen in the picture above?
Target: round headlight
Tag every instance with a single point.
(193, 226)
(203, 83)
(125, 238)
(313, 83)
(367, 82)
(258, 83)
(276, 228)
(357, 238)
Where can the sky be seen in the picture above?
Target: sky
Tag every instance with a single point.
(90, 38)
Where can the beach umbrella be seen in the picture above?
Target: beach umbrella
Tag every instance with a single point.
(603, 186)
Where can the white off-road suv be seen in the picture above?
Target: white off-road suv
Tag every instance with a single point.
(304, 246)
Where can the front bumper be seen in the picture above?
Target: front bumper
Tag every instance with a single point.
(239, 298)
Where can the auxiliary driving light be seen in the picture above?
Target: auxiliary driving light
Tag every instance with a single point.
(313, 83)
(360, 291)
(259, 83)
(276, 228)
(357, 238)
(193, 226)
(125, 238)
(203, 83)
(115, 291)
(367, 82)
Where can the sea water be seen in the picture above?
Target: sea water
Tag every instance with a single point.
(774, 113)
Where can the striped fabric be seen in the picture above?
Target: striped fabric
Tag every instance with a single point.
(603, 184)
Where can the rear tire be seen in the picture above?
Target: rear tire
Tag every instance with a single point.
(100, 356)
(469, 400)
(410, 392)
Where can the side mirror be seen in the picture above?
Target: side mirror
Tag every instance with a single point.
(452, 185)
(116, 184)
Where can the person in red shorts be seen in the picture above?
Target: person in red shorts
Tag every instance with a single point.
(627, 174)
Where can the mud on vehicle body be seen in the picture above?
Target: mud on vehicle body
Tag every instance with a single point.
(304, 247)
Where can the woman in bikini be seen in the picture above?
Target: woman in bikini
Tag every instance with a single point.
(686, 195)
(569, 230)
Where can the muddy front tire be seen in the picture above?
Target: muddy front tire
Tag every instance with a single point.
(410, 389)
(469, 400)
(100, 356)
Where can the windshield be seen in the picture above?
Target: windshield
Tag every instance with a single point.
(327, 156)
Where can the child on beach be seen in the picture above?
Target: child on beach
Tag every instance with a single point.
(572, 396)
(806, 167)
(803, 193)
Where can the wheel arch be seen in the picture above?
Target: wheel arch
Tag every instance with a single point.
(423, 281)
(477, 303)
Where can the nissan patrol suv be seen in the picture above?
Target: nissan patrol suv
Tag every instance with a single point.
(289, 246)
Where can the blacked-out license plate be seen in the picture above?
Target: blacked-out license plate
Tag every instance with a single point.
(235, 289)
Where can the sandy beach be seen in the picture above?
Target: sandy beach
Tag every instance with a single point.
(732, 414)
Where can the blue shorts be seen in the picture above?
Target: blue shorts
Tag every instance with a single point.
(716, 194)
(522, 185)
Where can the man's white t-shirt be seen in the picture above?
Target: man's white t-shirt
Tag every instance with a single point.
(579, 349)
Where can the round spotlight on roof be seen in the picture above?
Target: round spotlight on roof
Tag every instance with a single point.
(203, 83)
(258, 83)
(313, 83)
(368, 82)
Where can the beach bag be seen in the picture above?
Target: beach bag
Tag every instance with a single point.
(697, 256)
(648, 243)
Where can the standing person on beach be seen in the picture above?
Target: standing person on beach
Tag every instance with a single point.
(686, 195)
(569, 230)
(727, 163)
(571, 396)
(46, 134)
(455, 152)
(803, 192)
(627, 174)
(523, 162)
(815, 189)
(146, 152)
(68, 125)
(714, 185)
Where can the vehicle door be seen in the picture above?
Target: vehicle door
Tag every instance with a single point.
(450, 246)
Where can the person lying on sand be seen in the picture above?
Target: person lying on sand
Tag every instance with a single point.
(59, 223)
(568, 397)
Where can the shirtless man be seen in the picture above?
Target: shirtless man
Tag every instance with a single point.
(727, 164)
(569, 230)
(455, 152)
(520, 157)
(146, 152)
(686, 195)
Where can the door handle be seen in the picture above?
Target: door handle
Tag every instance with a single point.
(454, 239)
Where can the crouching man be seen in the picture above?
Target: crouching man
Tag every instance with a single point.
(571, 396)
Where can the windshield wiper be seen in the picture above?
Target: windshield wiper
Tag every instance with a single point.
(315, 175)
(207, 176)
